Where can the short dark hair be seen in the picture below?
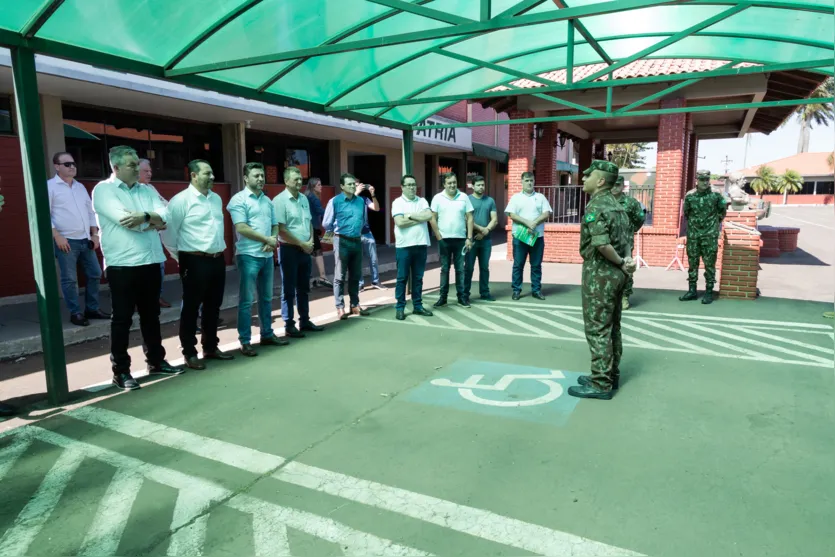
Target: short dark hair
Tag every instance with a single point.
(478, 178)
(345, 177)
(56, 158)
(446, 176)
(403, 179)
(527, 175)
(194, 166)
(250, 166)
(291, 170)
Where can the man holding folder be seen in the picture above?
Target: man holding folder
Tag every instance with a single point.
(528, 210)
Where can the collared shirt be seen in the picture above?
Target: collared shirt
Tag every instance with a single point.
(195, 222)
(345, 217)
(70, 209)
(121, 246)
(529, 207)
(452, 214)
(294, 214)
(257, 211)
(416, 235)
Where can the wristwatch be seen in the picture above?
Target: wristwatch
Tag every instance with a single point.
(147, 217)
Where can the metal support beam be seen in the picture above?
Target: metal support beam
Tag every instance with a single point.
(658, 95)
(486, 8)
(587, 35)
(428, 13)
(654, 112)
(569, 55)
(492, 66)
(27, 104)
(749, 116)
(520, 8)
(407, 145)
(40, 18)
(608, 100)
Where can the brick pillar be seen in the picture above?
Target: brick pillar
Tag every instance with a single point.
(585, 151)
(693, 162)
(520, 159)
(673, 140)
(739, 257)
(546, 156)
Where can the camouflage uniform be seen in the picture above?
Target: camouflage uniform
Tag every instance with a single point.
(704, 211)
(605, 222)
(637, 217)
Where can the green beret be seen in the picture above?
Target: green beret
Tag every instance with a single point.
(604, 166)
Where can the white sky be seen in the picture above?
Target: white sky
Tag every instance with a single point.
(763, 148)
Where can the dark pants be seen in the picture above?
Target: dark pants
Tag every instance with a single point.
(521, 250)
(481, 250)
(601, 296)
(452, 252)
(410, 260)
(204, 279)
(295, 284)
(706, 248)
(134, 288)
(347, 268)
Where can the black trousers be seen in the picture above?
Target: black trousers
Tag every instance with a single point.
(135, 288)
(204, 279)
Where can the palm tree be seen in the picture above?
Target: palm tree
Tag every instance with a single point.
(765, 181)
(790, 182)
(830, 161)
(628, 155)
(810, 114)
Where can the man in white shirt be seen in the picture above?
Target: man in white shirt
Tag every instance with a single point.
(528, 210)
(127, 213)
(453, 225)
(76, 238)
(195, 240)
(145, 175)
(411, 234)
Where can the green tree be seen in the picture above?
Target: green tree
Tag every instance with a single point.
(628, 155)
(815, 114)
(830, 160)
(765, 181)
(790, 182)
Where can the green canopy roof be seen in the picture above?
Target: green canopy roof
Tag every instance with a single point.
(340, 56)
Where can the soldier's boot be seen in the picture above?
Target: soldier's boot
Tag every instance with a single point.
(624, 303)
(586, 380)
(690, 295)
(590, 391)
(708, 297)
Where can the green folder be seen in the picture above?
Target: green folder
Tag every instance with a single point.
(524, 235)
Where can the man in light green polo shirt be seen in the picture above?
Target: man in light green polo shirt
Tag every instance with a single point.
(528, 210)
(452, 223)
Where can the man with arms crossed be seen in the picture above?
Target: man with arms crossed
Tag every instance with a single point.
(411, 234)
(528, 210)
(485, 219)
(452, 223)
(253, 215)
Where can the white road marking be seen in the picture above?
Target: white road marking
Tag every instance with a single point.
(112, 515)
(624, 337)
(478, 319)
(439, 314)
(784, 216)
(749, 331)
(447, 514)
(11, 452)
(434, 325)
(551, 322)
(269, 532)
(518, 323)
(190, 523)
(667, 338)
(35, 514)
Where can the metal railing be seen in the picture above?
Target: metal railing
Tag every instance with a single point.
(568, 203)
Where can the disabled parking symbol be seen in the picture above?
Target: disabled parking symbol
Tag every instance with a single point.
(505, 390)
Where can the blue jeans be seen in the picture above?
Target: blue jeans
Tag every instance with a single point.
(347, 269)
(521, 250)
(295, 284)
(369, 244)
(257, 272)
(80, 252)
(410, 259)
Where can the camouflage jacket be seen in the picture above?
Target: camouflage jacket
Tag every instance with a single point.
(634, 211)
(605, 222)
(704, 212)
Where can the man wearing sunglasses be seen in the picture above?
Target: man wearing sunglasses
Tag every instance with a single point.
(76, 238)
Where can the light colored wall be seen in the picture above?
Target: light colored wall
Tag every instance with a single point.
(52, 117)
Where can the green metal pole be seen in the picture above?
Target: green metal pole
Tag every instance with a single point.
(408, 149)
(569, 54)
(27, 103)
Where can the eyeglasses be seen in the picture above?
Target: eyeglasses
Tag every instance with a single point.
(67, 164)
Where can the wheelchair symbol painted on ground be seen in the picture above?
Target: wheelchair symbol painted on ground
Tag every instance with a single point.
(468, 390)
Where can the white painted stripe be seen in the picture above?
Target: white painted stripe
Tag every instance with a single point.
(821, 349)
(37, 511)
(440, 314)
(434, 325)
(478, 319)
(624, 337)
(551, 323)
(189, 526)
(269, 533)
(665, 337)
(518, 323)
(784, 216)
(11, 452)
(729, 346)
(112, 515)
(468, 520)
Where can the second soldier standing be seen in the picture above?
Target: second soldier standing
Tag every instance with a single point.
(637, 216)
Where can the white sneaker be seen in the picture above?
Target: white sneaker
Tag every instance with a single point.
(379, 287)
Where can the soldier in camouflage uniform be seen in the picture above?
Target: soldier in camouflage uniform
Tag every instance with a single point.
(704, 210)
(605, 235)
(637, 216)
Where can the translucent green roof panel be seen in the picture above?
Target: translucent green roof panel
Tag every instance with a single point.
(328, 55)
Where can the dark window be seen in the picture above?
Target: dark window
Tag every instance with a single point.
(6, 125)
(298, 158)
(276, 152)
(808, 187)
(826, 188)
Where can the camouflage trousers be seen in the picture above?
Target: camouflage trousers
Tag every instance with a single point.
(704, 248)
(630, 280)
(603, 285)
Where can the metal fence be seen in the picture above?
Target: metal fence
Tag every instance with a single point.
(568, 203)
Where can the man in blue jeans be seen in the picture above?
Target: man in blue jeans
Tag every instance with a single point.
(528, 210)
(256, 225)
(411, 234)
(76, 237)
(369, 242)
(453, 226)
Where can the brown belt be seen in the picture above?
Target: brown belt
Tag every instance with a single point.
(203, 253)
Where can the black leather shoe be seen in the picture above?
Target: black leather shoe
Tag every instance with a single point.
(217, 355)
(516, 295)
(689, 295)
(248, 351)
(274, 341)
(293, 332)
(537, 295)
(165, 369)
(590, 391)
(7, 410)
(400, 315)
(311, 326)
(488, 298)
(464, 302)
(440, 303)
(708, 297)
(193, 362)
(125, 382)
(79, 319)
(98, 314)
(585, 380)
(422, 311)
